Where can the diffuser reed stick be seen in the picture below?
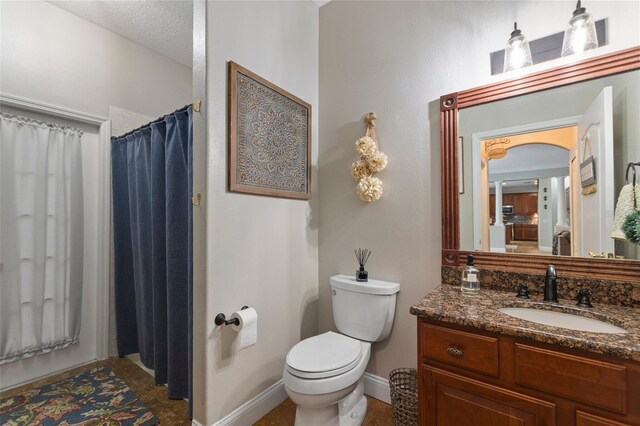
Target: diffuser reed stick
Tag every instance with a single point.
(363, 256)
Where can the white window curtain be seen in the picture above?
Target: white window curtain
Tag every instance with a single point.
(41, 236)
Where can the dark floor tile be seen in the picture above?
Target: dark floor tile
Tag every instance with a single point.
(378, 414)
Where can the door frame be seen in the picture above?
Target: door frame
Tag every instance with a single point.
(200, 153)
(104, 201)
(476, 157)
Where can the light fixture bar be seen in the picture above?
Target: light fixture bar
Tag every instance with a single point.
(546, 48)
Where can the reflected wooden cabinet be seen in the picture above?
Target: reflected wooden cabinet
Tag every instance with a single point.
(530, 232)
(475, 378)
(529, 203)
(508, 230)
(525, 232)
(523, 203)
(508, 199)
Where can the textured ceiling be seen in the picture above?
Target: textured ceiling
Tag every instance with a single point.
(163, 26)
(535, 156)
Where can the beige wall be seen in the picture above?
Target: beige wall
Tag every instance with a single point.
(50, 55)
(261, 251)
(397, 58)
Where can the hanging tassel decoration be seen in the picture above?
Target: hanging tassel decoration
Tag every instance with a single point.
(371, 161)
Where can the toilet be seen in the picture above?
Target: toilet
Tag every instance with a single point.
(323, 375)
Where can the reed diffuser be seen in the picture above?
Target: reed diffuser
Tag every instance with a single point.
(362, 255)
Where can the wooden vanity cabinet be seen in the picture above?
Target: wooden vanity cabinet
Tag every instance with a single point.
(475, 378)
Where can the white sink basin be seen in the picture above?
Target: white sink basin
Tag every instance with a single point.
(560, 319)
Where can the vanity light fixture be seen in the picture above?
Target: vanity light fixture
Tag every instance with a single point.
(580, 34)
(517, 54)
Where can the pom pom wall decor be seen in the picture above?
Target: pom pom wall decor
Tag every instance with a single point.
(360, 169)
(366, 147)
(371, 161)
(377, 162)
(369, 189)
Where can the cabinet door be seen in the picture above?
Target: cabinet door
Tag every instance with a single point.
(518, 207)
(454, 400)
(508, 234)
(507, 199)
(586, 419)
(530, 233)
(532, 203)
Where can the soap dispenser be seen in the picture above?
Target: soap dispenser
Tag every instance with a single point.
(470, 283)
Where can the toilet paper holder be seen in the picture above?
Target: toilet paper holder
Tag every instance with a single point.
(222, 318)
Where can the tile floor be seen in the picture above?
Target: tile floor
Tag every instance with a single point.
(173, 412)
(378, 414)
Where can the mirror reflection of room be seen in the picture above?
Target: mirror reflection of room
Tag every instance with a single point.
(544, 171)
(531, 200)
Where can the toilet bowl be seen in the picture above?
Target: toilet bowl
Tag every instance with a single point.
(323, 375)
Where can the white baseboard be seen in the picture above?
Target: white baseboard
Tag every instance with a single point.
(254, 409)
(195, 423)
(258, 406)
(46, 376)
(377, 387)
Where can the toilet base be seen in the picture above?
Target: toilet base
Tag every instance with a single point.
(349, 411)
(353, 408)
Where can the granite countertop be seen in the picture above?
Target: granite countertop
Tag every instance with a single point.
(447, 304)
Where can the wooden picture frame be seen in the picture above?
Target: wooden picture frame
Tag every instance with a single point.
(269, 138)
(450, 104)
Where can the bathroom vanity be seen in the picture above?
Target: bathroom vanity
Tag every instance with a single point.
(479, 366)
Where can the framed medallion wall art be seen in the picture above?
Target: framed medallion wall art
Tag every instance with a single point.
(269, 138)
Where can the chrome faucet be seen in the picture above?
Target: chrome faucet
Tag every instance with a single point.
(550, 285)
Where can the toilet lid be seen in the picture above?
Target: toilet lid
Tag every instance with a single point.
(326, 355)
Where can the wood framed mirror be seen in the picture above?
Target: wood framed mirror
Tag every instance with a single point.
(453, 106)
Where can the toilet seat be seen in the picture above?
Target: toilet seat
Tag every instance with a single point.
(304, 386)
(323, 356)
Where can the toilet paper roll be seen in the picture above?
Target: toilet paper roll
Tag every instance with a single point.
(247, 328)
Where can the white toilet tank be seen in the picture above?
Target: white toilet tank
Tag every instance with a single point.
(363, 310)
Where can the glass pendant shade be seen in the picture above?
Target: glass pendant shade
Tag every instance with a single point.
(517, 54)
(580, 34)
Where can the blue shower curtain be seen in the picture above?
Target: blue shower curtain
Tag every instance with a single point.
(152, 227)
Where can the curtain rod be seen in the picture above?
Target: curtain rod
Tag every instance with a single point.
(157, 120)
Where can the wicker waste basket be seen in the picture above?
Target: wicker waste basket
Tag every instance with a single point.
(404, 396)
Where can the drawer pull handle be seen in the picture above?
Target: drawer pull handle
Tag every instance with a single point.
(455, 352)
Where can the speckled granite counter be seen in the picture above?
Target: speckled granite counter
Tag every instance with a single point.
(448, 304)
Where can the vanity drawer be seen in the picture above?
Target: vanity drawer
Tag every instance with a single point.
(470, 351)
(587, 380)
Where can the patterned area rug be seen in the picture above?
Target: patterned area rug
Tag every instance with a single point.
(92, 398)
